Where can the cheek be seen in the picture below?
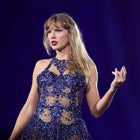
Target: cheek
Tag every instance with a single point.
(48, 37)
(65, 40)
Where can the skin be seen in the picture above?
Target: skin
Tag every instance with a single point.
(59, 35)
(96, 104)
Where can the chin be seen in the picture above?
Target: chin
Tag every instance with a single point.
(57, 48)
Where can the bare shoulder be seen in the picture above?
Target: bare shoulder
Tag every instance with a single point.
(93, 71)
(92, 66)
(41, 65)
(43, 62)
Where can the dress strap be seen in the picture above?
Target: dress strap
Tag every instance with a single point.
(50, 63)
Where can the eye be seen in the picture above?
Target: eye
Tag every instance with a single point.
(58, 30)
(49, 31)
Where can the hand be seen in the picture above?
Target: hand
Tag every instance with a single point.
(120, 77)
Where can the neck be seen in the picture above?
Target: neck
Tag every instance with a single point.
(62, 55)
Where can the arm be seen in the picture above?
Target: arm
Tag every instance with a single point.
(28, 108)
(96, 104)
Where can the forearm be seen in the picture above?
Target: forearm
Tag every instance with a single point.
(104, 102)
(22, 120)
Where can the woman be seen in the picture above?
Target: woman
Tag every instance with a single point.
(53, 108)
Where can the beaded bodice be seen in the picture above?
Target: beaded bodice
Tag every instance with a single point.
(60, 93)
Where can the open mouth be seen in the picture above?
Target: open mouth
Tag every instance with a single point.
(54, 43)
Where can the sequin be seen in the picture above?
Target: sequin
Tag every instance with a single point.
(58, 114)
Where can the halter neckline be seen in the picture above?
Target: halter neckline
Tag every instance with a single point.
(60, 64)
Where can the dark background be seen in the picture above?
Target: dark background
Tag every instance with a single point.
(111, 31)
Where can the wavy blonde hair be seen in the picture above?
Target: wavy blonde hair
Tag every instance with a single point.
(78, 54)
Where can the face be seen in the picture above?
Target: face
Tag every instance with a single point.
(58, 37)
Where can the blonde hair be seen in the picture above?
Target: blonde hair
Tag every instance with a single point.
(78, 53)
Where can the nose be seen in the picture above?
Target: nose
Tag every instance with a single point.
(52, 35)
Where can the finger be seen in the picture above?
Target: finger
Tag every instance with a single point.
(122, 68)
(120, 76)
(124, 72)
(115, 72)
(116, 69)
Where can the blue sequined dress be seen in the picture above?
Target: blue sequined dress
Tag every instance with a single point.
(58, 114)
